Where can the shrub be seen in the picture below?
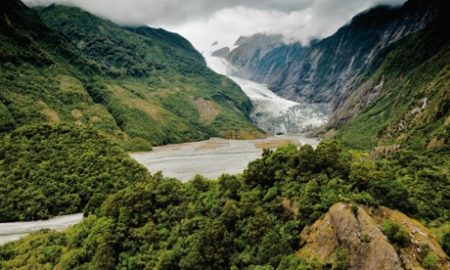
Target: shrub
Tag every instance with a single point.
(342, 260)
(395, 233)
(430, 262)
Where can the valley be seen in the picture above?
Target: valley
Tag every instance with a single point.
(213, 157)
(124, 147)
(210, 159)
(272, 113)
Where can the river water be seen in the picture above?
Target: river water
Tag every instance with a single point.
(15, 230)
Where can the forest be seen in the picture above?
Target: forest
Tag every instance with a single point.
(78, 91)
(49, 170)
(234, 221)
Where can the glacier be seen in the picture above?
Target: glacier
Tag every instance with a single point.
(272, 113)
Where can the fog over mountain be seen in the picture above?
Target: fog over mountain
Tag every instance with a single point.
(205, 21)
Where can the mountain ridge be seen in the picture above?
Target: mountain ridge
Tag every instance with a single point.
(346, 73)
(141, 85)
(328, 69)
(410, 82)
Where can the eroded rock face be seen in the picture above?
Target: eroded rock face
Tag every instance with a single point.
(327, 71)
(359, 233)
(367, 246)
(420, 236)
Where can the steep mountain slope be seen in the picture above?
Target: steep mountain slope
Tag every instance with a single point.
(406, 98)
(145, 86)
(248, 56)
(327, 71)
(33, 59)
(384, 76)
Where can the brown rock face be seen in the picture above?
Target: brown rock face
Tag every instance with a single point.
(420, 236)
(357, 233)
(357, 230)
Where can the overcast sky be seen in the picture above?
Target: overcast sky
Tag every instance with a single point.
(206, 21)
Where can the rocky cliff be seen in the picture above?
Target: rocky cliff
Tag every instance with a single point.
(249, 53)
(327, 71)
(355, 237)
(405, 98)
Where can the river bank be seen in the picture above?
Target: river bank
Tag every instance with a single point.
(12, 231)
(213, 157)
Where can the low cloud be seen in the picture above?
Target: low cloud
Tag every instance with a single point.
(206, 21)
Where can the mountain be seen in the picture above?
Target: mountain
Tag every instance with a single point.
(405, 99)
(221, 52)
(327, 71)
(383, 77)
(145, 86)
(249, 52)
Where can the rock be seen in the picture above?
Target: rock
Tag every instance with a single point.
(223, 52)
(327, 71)
(359, 233)
(420, 237)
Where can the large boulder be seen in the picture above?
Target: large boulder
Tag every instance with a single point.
(356, 233)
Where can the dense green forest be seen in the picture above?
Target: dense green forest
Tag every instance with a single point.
(241, 222)
(49, 170)
(143, 85)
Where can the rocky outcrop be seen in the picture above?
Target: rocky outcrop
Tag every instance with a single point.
(223, 52)
(358, 231)
(421, 240)
(249, 53)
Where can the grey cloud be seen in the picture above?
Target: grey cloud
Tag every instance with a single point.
(163, 12)
(170, 11)
(206, 21)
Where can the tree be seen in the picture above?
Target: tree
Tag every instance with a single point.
(209, 248)
(272, 249)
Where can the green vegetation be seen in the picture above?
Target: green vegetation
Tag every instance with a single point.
(446, 242)
(395, 233)
(442, 232)
(412, 109)
(428, 259)
(235, 222)
(145, 86)
(342, 260)
(48, 170)
(430, 262)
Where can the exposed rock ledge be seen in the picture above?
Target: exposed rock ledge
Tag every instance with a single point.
(359, 233)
